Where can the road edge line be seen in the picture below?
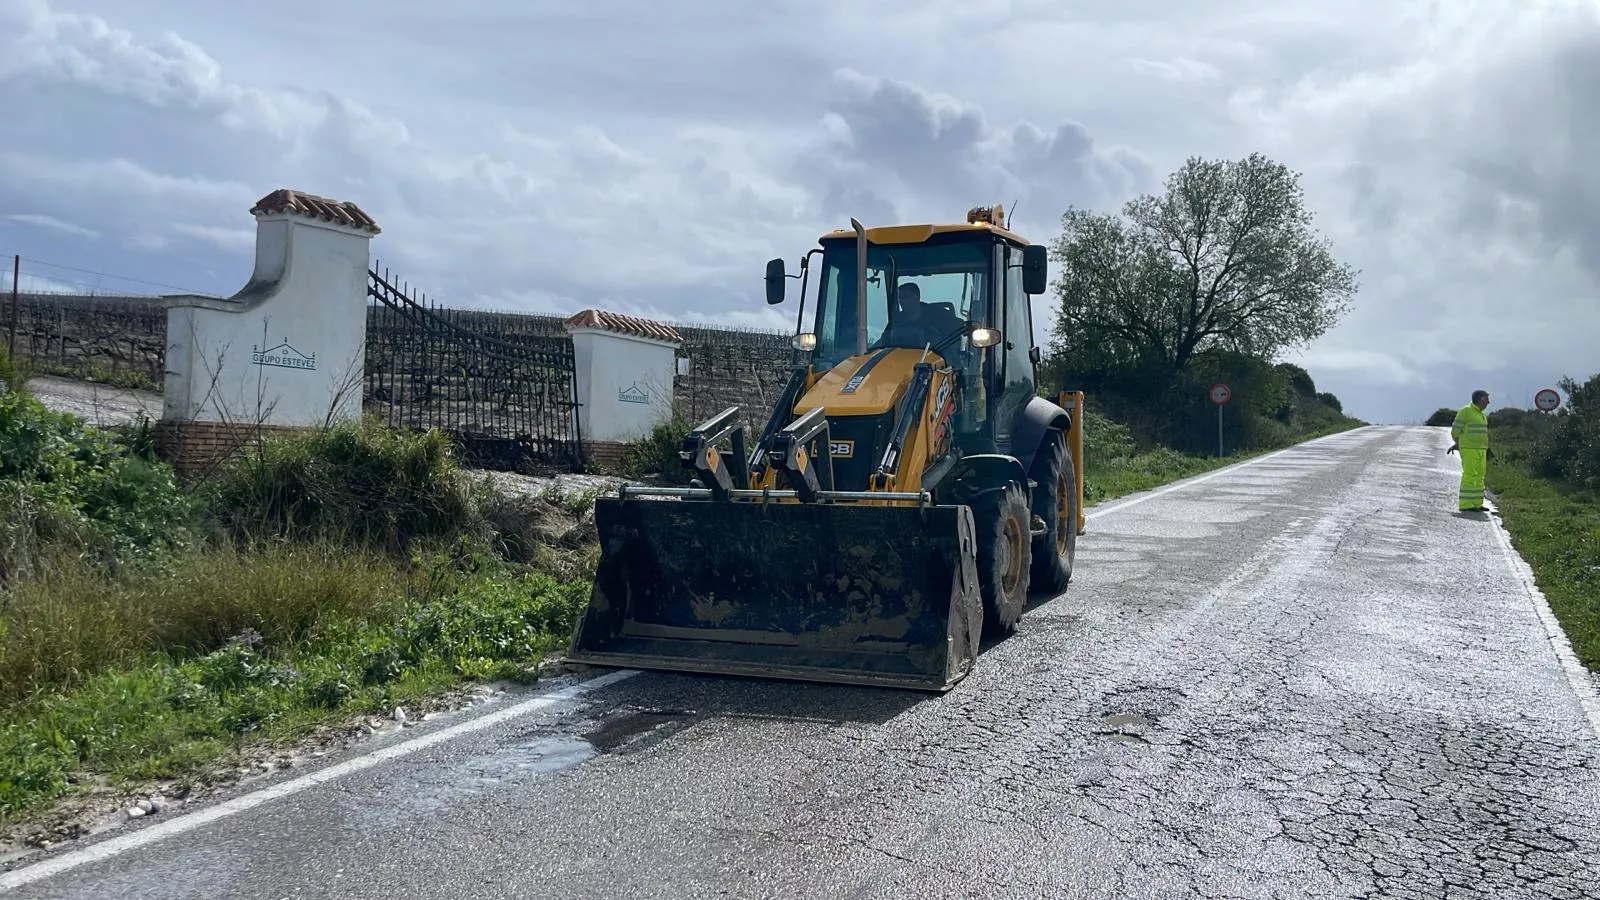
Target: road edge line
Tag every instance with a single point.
(1583, 686)
(188, 821)
(1094, 512)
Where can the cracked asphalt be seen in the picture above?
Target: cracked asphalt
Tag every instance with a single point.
(1304, 677)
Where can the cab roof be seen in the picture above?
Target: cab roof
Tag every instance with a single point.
(980, 219)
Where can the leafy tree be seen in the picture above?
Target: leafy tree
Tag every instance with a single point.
(1225, 259)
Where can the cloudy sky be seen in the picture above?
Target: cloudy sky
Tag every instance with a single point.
(649, 157)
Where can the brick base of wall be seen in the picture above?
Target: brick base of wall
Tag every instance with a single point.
(193, 447)
(605, 457)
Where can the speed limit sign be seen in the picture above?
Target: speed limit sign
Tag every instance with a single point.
(1547, 400)
(1220, 394)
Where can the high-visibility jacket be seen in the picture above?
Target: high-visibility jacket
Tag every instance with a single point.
(1471, 428)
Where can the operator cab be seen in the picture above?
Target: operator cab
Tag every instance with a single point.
(959, 292)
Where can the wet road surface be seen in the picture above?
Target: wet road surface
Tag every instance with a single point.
(1303, 677)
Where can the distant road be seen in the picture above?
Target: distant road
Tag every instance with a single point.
(98, 404)
(1304, 676)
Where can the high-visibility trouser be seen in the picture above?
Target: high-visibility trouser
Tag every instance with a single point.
(1472, 466)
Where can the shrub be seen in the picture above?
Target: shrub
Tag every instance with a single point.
(69, 489)
(1570, 448)
(657, 453)
(364, 484)
(1104, 439)
(1443, 417)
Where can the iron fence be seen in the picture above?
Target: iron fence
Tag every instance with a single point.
(503, 388)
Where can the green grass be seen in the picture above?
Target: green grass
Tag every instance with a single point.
(149, 628)
(145, 677)
(1130, 473)
(1556, 528)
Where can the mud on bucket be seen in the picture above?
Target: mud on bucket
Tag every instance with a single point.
(847, 593)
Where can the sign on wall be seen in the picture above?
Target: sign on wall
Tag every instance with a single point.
(633, 394)
(284, 356)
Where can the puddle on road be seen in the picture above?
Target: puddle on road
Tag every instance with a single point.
(440, 786)
(550, 754)
(1125, 728)
(622, 728)
(514, 768)
(1126, 720)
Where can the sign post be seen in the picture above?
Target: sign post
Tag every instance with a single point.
(1547, 400)
(1219, 395)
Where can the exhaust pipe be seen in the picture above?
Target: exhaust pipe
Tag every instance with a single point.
(861, 286)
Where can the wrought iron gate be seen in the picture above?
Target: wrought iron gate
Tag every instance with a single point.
(507, 399)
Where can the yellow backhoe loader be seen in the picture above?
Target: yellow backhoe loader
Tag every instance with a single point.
(908, 489)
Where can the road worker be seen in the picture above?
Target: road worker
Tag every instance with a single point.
(1470, 433)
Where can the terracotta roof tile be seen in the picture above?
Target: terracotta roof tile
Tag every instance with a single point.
(610, 321)
(341, 212)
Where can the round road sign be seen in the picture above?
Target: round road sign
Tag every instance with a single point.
(1220, 394)
(1547, 400)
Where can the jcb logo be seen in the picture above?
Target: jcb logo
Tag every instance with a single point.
(841, 449)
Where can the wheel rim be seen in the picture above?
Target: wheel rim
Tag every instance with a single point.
(1064, 526)
(1012, 568)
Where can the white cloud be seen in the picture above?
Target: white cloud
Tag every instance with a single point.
(52, 223)
(522, 157)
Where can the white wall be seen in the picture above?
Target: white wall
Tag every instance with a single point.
(289, 348)
(624, 383)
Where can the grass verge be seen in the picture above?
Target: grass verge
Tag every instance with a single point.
(151, 629)
(1124, 472)
(311, 633)
(1556, 528)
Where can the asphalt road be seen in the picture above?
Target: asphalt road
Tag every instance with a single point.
(1303, 677)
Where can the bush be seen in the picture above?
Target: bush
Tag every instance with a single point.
(1105, 440)
(362, 484)
(1272, 405)
(1443, 417)
(1570, 448)
(68, 489)
(657, 453)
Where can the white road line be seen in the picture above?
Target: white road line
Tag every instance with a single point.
(1582, 684)
(1201, 479)
(192, 820)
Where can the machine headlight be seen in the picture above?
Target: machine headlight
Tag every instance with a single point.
(805, 341)
(984, 337)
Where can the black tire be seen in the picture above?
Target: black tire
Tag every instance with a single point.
(1004, 559)
(1055, 500)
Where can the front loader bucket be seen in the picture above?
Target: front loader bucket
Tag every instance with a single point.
(873, 595)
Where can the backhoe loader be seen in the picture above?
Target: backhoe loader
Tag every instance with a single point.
(908, 489)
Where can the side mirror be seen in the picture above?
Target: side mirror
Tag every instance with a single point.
(1035, 269)
(775, 281)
